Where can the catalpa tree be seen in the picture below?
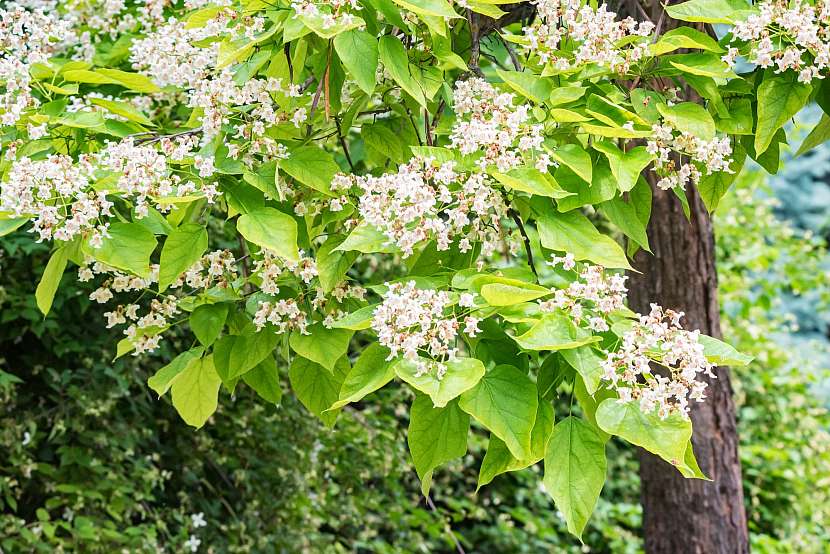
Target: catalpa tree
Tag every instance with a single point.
(336, 196)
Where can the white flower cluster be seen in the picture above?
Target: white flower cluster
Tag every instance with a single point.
(169, 55)
(787, 36)
(332, 12)
(214, 269)
(489, 123)
(58, 194)
(26, 37)
(591, 297)
(144, 173)
(658, 338)
(713, 156)
(143, 331)
(412, 320)
(595, 36)
(284, 314)
(425, 200)
(271, 267)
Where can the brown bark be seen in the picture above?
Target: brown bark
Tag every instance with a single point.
(690, 515)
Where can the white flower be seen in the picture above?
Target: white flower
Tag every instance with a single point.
(27, 438)
(198, 520)
(193, 543)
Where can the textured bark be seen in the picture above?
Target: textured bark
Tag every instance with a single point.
(689, 515)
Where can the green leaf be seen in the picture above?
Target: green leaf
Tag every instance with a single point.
(566, 95)
(720, 353)
(51, 278)
(132, 81)
(8, 226)
(819, 135)
(587, 363)
(321, 345)
(394, 58)
(573, 232)
(265, 380)
(358, 50)
(624, 215)
(317, 387)
(780, 97)
(311, 166)
(686, 38)
(575, 469)
(576, 158)
(498, 458)
(689, 117)
(527, 84)
(436, 8)
(435, 436)
(371, 371)
(461, 374)
(367, 239)
(555, 331)
(532, 181)
(709, 11)
(332, 264)
(207, 322)
(127, 248)
(163, 379)
(625, 166)
(195, 391)
(713, 187)
(184, 247)
(505, 402)
(271, 229)
(235, 355)
(123, 109)
(666, 438)
(500, 294)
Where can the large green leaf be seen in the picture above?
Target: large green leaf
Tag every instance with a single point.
(625, 166)
(163, 379)
(435, 436)
(184, 247)
(51, 278)
(311, 166)
(666, 438)
(271, 229)
(588, 363)
(394, 58)
(358, 50)
(195, 391)
(555, 331)
(501, 294)
(505, 402)
(127, 248)
(720, 353)
(573, 232)
(237, 354)
(498, 458)
(265, 380)
(321, 345)
(527, 84)
(709, 11)
(780, 97)
(575, 468)
(371, 371)
(317, 387)
(461, 374)
(207, 321)
(689, 117)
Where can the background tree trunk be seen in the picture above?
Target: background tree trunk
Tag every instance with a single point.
(688, 515)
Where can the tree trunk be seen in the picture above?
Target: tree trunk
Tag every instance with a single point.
(690, 515)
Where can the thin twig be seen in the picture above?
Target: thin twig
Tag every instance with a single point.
(512, 53)
(518, 220)
(342, 140)
(157, 138)
(447, 527)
